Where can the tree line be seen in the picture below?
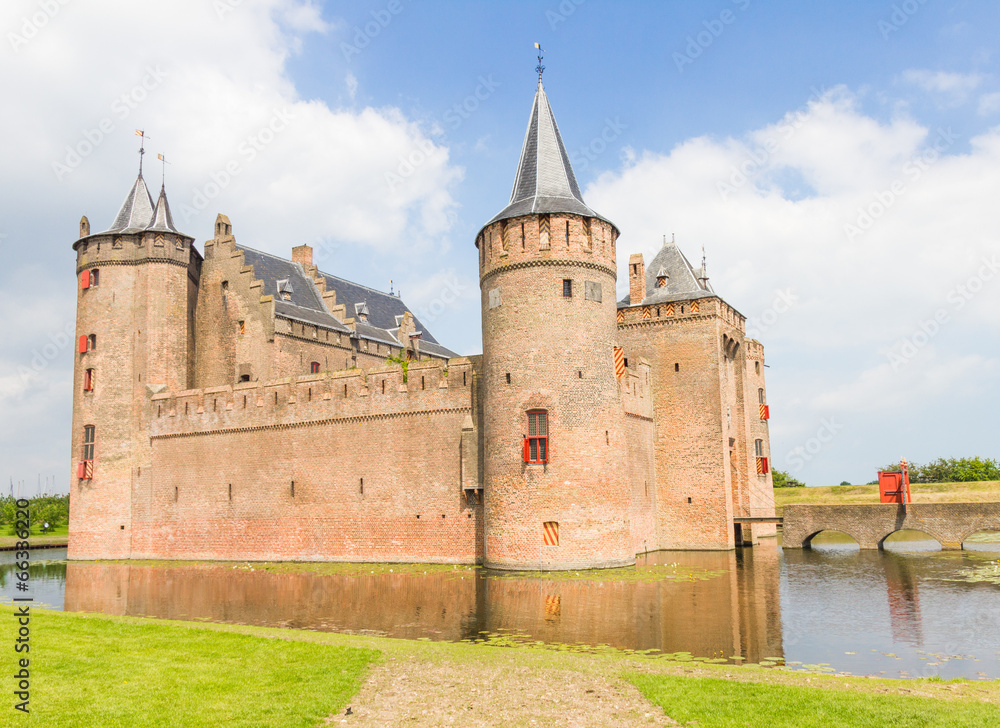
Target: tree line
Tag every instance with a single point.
(51, 509)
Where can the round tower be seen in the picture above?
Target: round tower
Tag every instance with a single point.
(137, 285)
(555, 469)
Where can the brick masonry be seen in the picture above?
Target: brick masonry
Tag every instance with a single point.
(869, 525)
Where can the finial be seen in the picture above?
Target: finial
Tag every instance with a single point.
(540, 69)
(163, 179)
(664, 240)
(703, 257)
(390, 287)
(142, 147)
(673, 239)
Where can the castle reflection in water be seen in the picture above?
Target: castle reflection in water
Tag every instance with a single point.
(736, 612)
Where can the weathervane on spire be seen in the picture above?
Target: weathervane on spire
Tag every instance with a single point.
(163, 179)
(540, 69)
(142, 147)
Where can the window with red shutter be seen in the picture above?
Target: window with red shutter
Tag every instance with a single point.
(88, 380)
(536, 444)
(314, 367)
(82, 345)
(85, 279)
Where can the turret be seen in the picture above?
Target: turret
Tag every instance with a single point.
(556, 494)
(137, 283)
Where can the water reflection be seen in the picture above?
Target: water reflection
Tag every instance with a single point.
(47, 576)
(733, 613)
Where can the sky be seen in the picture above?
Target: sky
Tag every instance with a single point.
(838, 162)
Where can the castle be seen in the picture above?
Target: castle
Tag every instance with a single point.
(238, 405)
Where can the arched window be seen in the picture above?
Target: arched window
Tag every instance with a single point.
(760, 395)
(88, 380)
(92, 342)
(314, 367)
(536, 444)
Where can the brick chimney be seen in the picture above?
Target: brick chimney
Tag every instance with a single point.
(303, 254)
(636, 279)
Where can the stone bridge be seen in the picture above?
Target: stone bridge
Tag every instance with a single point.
(869, 525)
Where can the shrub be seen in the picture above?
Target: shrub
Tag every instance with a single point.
(782, 479)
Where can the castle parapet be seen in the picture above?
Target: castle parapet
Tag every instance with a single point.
(429, 386)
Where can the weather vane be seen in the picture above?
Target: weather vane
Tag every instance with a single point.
(142, 147)
(163, 182)
(539, 68)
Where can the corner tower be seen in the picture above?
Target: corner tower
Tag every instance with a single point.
(555, 470)
(136, 290)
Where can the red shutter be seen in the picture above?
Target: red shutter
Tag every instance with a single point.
(765, 412)
(82, 345)
(81, 469)
(85, 279)
(764, 466)
(526, 454)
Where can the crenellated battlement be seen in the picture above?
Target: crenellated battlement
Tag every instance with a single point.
(429, 386)
(681, 311)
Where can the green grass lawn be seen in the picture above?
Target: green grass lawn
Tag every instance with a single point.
(59, 534)
(716, 703)
(93, 671)
(975, 492)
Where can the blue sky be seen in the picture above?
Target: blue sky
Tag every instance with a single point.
(838, 161)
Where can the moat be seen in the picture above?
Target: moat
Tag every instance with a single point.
(897, 614)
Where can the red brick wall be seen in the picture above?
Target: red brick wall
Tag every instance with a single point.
(558, 354)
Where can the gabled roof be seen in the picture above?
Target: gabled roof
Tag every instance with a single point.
(683, 281)
(545, 181)
(306, 304)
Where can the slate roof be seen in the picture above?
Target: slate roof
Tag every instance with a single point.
(683, 282)
(306, 302)
(138, 214)
(545, 181)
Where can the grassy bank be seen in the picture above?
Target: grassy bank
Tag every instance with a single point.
(975, 492)
(59, 535)
(96, 670)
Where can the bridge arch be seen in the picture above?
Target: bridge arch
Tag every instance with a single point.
(807, 542)
(881, 542)
(993, 531)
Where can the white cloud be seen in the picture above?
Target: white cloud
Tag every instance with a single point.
(950, 89)
(989, 103)
(772, 210)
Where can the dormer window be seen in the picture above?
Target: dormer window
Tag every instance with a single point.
(285, 289)
(661, 278)
(361, 311)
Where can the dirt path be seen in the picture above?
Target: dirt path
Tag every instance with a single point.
(414, 692)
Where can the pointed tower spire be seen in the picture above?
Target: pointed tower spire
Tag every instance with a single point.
(544, 181)
(136, 212)
(162, 221)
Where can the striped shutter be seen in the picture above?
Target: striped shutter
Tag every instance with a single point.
(551, 531)
(85, 279)
(762, 466)
(619, 362)
(88, 472)
(765, 412)
(645, 312)
(621, 316)
(670, 309)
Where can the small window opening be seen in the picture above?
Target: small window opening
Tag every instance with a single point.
(362, 486)
(314, 367)
(244, 378)
(567, 233)
(422, 383)
(345, 390)
(176, 493)
(463, 379)
(677, 366)
(225, 287)
(689, 500)
(230, 491)
(522, 236)
(383, 386)
(215, 405)
(95, 276)
(309, 395)
(567, 288)
(508, 377)
(88, 380)
(607, 437)
(293, 489)
(92, 342)
(243, 328)
(760, 395)
(756, 367)
(276, 398)
(579, 374)
(758, 446)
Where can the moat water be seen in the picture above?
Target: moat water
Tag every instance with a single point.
(918, 612)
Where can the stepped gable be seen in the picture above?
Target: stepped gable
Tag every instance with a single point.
(283, 277)
(684, 282)
(384, 310)
(544, 181)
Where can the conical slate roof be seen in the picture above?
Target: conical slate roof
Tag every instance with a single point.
(545, 181)
(136, 212)
(163, 221)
